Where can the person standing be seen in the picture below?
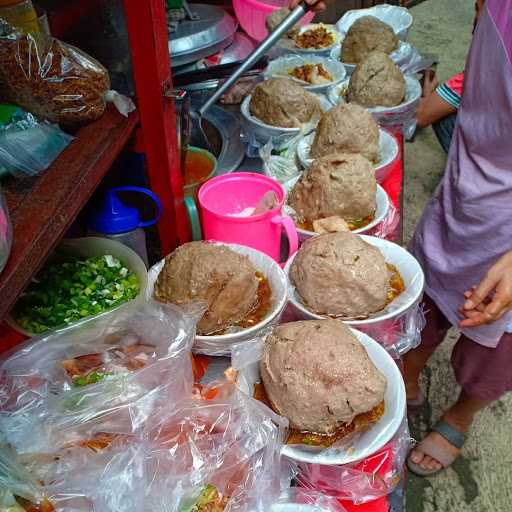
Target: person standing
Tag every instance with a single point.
(463, 242)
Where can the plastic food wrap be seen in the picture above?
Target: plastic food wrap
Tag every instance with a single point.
(279, 158)
(27, 146)
(53, 80)
(299, 499)
(18, 485)
(362, 481)
(5, 232)
(225, 450)
(104, 376)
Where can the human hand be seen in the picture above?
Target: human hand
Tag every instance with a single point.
(430, 83)
(317, 6)
(492, 298)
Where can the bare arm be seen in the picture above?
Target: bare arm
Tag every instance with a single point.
(431, 109)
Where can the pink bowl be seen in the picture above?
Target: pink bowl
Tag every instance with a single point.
(252, 15)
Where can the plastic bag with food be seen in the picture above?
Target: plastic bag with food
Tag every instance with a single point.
(103, 376)
(53, 80)
(19, 489)
(28, 147)
(5, 232)
(279, 158)
(219, 452)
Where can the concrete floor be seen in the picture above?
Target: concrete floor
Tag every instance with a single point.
(480, 481)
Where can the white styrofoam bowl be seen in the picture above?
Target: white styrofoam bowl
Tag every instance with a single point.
(370, 440)
(220, 344)
(382, 202)
(388, 146)
(409, 269)
(263, 132)
(412, 97)
(399, 56)
(398, 18)
(281, 66)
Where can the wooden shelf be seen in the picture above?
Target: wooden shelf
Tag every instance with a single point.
(43, 208)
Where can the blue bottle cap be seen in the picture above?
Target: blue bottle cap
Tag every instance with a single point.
(115, 217)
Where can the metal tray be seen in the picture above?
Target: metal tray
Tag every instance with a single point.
(194, 40)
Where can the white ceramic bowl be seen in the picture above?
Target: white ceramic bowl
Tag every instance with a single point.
(399, 56)
(289, 44)
(281, 66)
(399, 18)
(412, 97)
(409, 269)
(89, 247)
(263, 132)
(219, 345)
(382, 200)
(372, 439)
(388, 146)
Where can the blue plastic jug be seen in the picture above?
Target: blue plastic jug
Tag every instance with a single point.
(121, 222)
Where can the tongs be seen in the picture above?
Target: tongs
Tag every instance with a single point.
(258, 53)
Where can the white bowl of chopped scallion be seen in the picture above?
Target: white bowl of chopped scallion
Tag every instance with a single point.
(83, 278)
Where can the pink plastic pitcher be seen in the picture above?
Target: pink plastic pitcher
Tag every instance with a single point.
(223, 198)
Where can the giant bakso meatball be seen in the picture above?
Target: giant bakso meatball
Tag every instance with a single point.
(317, 374)
(377, 82)
(339, 274)
(347, 128)
(340, 185)
(367, 34)
(214, 274)
(284, 103)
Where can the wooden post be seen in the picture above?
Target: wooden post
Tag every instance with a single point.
(147, 29)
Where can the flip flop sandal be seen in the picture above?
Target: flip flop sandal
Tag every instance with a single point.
(416, 405)
(430, 448)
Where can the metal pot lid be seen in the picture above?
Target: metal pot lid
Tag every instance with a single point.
(241, 47)
(213, 27)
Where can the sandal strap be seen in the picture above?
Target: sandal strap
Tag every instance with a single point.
(450, 433)
(432, 449)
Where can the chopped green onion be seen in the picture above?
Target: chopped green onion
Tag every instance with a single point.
(64, 293)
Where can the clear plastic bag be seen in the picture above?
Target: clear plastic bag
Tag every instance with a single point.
(398, 335)
(17, 482)
(362, 481)
(298, 499)
(280, 159)
(106, 375)
(221, 448)
(28, 147)
(228, 446)
(5, 232)
(53, 80)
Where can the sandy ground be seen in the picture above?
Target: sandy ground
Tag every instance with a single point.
(480, 481)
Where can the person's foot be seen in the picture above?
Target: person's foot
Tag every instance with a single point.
(429, 463)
